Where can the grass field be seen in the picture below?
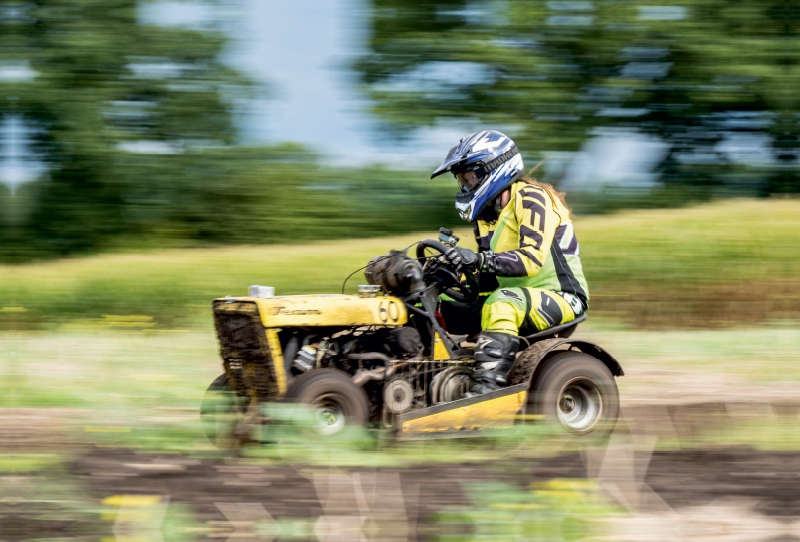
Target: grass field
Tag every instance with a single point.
(726, 263)
(143, 388)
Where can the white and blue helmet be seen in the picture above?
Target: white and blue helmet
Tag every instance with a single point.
(494, 157)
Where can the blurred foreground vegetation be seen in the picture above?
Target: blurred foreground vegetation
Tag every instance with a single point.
(733, 262)
(104, 414)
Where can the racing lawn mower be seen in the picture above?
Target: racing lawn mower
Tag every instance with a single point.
(384, 359)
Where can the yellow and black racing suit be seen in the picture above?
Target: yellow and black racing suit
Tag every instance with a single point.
(531, 266)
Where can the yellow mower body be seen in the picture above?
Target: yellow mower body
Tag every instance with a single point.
(248, 328)
(329, 310)
(489, 411)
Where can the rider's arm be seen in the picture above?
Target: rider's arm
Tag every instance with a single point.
(487, 282)
(537, 221)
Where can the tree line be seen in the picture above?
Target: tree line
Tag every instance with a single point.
(694, 74)
(134, 122)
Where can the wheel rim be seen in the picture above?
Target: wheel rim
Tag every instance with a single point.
(329, 414)
(580, 405)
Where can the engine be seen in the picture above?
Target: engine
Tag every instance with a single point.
(388, 363)
(395, 273)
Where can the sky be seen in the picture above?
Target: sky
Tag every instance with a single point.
(17, 165)
(299, 53)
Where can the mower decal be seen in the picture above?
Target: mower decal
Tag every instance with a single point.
(306, 312)
(388, 312)
(330, 310)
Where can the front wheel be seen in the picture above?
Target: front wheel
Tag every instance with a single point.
(335, 401)
(577, 393)
(221, 413)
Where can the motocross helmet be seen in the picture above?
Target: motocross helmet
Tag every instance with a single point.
(496, 161)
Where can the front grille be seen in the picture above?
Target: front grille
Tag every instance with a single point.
(245, 350)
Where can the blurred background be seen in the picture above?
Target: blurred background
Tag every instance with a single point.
(172, 123)
(157, 155)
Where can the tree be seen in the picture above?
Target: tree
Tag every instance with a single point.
(118, 109)
(695, 73)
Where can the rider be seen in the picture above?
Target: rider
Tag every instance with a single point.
(527, 253)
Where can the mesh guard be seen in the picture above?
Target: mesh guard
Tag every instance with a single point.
(245, 350)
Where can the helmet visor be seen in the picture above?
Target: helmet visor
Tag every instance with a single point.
(468, 191)
(467, 180)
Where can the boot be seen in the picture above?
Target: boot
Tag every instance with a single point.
(490, 348)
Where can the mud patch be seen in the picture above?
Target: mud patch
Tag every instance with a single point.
(771, 480)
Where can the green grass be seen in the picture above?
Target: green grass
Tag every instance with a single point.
(119, 348)
(95, 385)
(725, 263)
(730, 262)
(558, 510)
(744, 355)
(143, 388)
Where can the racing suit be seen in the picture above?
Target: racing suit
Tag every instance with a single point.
(531, 265)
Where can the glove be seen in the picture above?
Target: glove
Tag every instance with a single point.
(459, 256)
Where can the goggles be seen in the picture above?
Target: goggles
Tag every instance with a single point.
(463, 168)
(481, 169)
(460, 172)
(466, 184)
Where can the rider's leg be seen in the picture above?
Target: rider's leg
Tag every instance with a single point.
(505, 312)
(546, 309)
(497, 345)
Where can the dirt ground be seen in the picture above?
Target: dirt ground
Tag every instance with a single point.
(682, 493)
(726, 494)
(682, 478)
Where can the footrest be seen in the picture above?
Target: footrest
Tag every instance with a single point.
(488, 411)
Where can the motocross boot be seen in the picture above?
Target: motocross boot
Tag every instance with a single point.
(499, 348)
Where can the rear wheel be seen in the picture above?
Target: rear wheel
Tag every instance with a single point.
(335, 401)
(221, 413)
(577, 393)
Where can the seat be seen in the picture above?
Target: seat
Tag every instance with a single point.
(560, 331)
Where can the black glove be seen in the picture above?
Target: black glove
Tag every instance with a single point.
(459, 256)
